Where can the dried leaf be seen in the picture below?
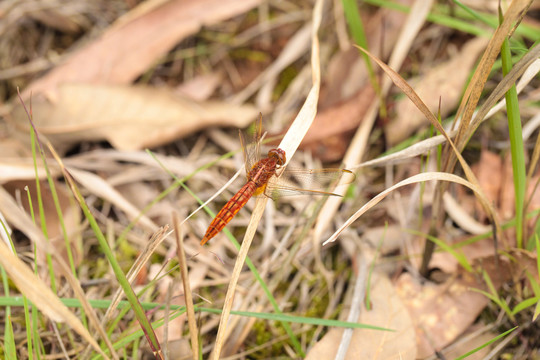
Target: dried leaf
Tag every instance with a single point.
(130, 118)
(200, 88)
(489, 174)
(332, 123)
(389, 312)
(442, 312)
(126, 51)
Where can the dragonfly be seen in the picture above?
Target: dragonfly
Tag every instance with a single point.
(266, 176)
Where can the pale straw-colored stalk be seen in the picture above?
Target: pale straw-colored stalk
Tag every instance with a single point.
(289, 144)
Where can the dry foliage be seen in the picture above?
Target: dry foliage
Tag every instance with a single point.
(106, 80)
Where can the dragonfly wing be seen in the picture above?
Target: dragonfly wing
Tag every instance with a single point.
(249, 160)
(251, 148)
(292, 182)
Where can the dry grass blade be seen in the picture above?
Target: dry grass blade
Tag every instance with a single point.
(295, 48)
(525, 64)
(20, 169)
(215, 195)
(420, 148)
(413, 96)
(104, 190)
(356, 306)
(289, 144)
(304, 119)
(474, 90)
(188, 296)
(529, 74)
(412, 180)
(137, 266)
(461, 217)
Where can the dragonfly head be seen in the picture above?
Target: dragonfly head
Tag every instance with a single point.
(279, 155)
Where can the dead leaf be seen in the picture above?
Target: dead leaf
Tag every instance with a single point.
(389, 312)
(124, 52)
(445, 82)
(130, 118)
(389, 237)
(507, 195)
(442, 312)
(489, 174)
(469, 343)
(201, 87)
(326, 139)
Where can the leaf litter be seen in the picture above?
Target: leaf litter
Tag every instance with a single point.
(165, 72)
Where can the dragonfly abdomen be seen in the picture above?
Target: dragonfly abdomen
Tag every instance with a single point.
(229, 210)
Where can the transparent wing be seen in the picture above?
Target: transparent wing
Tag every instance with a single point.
(251, 148)
(293, 182)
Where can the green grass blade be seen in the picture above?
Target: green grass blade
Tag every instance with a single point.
(516, 144)
(33, 142)
(486, 344)
(461, 258)
(525, 304)
(9, 339)
(120, 276)
(460, 19)
(537, 255)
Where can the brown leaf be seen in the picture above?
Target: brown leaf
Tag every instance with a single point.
(200, 88)
(130, 118)
(388, 311)
(125, 51)
(466, 343)
(507, 195)
(326, 138)
(442, 312)
(489, 174)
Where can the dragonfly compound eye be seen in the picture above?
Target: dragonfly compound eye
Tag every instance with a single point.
(279, 154)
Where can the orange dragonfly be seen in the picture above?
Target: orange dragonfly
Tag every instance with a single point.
(265, 176)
